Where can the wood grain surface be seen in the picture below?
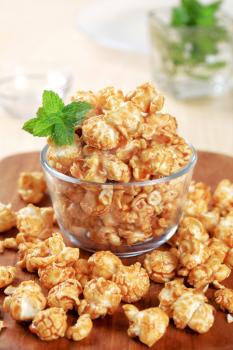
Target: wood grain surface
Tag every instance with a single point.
(110, 333)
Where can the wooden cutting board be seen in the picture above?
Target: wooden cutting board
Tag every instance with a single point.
(110, 333)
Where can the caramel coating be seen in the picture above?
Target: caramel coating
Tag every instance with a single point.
(170, 293)
(223, 196)
(65, 295)
(190, 228)
(198, 200)
(103, 264)
(25, 301)
(31, 186)
(54, 274)
(224, 229)
(42, 253)
(7, 275)
(35, 223)
(8, 243)
(211, 271)
(81, 329)
(149, 324)
(49, 324)
(147, 98)
(7, 217)
(133, 282)
(191, 310)
(161, 265)
(101, 297)
(82, 271)
(224, 297)
(61, 158)
(192, 252)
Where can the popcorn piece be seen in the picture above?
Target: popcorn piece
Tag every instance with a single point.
(7, 275)
(82, 270)
(192, 228)
(224, 297)
(54, 274)
(61, 158)
(211, 271)
(7, 217)
(103, 264)
(149, 324)
(133, 282)
(146, 98)
(8, 243)
(161, 265)
(101, 297)
(229, 258)
(24, 301)
(191, 310)
(223, 196)
(170, 293)
(116, 170)
(32, 186)
(42, 253)
(2, 325)
(49, 324)
(125, 119)
(81, 329)
(34, 222)
(65, 295)
(159, 127)
(192, 252)
(210, 219)
(110, 98)
(99, 134)
(218, 249)
(199, 197)
(224, 229)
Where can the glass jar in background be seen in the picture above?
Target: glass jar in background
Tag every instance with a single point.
(127, 218)
(191, 62)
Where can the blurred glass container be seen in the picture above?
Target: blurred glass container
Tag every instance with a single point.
(21, 92)
(191, 62)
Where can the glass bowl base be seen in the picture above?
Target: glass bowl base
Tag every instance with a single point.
(123, 251)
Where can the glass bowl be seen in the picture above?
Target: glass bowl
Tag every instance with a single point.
(127, 218)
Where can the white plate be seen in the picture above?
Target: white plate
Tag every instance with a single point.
(120, 24)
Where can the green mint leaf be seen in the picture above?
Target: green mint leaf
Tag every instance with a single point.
(79, 109)
(180, 17)
(52, 103)
(56, 120)
(29, 125)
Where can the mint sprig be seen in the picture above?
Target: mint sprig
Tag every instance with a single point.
(56, 120)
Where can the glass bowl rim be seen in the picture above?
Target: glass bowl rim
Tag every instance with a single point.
(66, 178)
(154, 14)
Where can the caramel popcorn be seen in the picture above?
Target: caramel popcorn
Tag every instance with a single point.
(170, 293)
(7, 217)
(224, 297)
(101, 297)
(8, 243)
(190, 228)
(54, 274)
(212, 271)
(32, 186)
(223, 196)
(65, 295)
(199, 197)
(81, 329)
(149, 324)
(82, 271)
(224, 229)
(191, 310)
(61, 158)
(192, 252)
(7, 275)
(34, 222)
(133, 282)
(103, 264)
(49, 324)
(25, 301)
(161, 265)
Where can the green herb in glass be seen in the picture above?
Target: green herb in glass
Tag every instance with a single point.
(195, 45)
(55, 120)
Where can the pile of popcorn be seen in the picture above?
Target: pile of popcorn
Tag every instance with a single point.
(200, 254)
(124, 138)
